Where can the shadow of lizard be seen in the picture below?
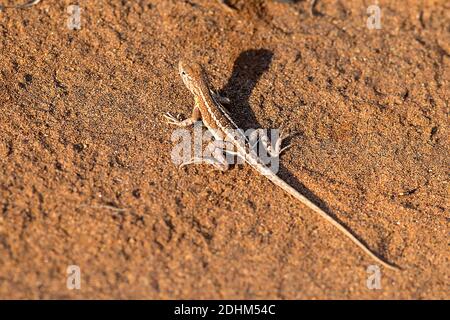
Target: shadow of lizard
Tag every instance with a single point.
(247, 70)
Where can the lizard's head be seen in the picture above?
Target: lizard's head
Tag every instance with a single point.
(192, 75)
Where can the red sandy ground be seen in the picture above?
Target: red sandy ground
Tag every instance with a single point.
(86, 176)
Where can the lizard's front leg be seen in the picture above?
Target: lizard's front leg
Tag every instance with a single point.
(196, 116)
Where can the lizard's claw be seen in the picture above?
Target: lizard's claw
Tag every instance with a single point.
(285, 148)
(221, 99)
(283, 136)
(171, 119)
(179, 123)
(222, 166)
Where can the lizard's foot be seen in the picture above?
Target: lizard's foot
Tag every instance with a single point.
(221, 99)
(279, 142)
(213, 155)
(274, 150)
(180, 123)
(222, 166)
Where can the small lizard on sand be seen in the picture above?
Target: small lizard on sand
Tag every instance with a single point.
(209, 108)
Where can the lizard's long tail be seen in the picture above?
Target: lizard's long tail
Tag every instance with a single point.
(286, 187)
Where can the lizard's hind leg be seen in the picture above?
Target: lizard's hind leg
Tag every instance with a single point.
(219, 98)
(274, 150)
(214, 155)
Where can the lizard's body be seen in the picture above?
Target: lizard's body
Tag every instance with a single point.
(210, 110)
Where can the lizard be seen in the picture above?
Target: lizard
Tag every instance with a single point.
(209, 108)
